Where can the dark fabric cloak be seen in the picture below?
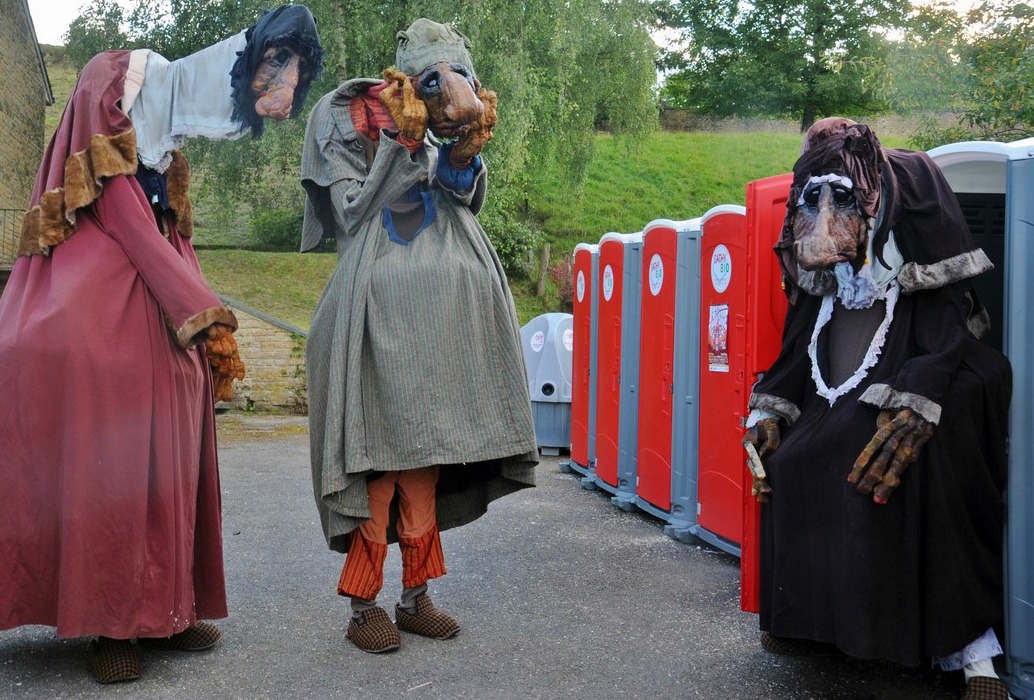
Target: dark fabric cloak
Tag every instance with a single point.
(922, 575)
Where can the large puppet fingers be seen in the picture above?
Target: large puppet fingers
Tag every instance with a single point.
(918, 432)
(414, 113)
(765, 436)
(491, 102)
(225, 361)
(474, 138)
(407, 110)
(883, 433)
(760, 489)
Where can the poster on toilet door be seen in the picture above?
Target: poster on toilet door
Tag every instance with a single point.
(718, 338)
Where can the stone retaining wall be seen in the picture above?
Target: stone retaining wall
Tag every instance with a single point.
(274, 359)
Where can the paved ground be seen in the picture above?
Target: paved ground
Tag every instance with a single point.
(560, 595)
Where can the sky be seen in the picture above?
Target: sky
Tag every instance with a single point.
(52, 17)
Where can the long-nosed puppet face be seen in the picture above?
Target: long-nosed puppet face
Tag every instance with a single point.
(828, 227)
(450, 92)
(275, 81)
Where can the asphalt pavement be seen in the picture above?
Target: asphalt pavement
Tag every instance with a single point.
(559, 595)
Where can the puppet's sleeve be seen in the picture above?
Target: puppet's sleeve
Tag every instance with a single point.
(781, 390)
(343, 191)
(186, 300)
(940, 334)
(468, 185)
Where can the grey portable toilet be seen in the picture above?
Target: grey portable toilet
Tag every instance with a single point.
(995, 186)
(548, 341)
(585, 268)
(666, 462)
(617, 360)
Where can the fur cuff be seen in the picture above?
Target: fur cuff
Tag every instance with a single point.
(53, 220)
(779, 406)
(882, 396)
(915, 278)
(189, 333)
(178, 181)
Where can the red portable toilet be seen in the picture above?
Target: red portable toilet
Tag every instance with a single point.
(583, 364)
(658, 320)
(742, 307)
(617, 362)
(765, 309)
(725, 278)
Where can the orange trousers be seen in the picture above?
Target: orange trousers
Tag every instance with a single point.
(417, 530)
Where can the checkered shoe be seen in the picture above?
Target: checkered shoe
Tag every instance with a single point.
(376, 632)
(985, 688)
(201, 636)
(427, 621)
(113, 660)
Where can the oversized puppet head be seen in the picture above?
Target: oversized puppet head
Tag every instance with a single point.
(272, 75)
(835, 194)
(436, 57)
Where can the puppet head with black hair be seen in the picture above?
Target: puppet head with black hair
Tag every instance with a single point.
(227, 89)
(272, 75)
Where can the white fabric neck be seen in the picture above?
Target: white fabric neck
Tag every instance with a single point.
(187, 97)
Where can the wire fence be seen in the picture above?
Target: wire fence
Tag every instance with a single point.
(10, 231)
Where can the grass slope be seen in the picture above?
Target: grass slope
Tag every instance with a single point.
(669, 175)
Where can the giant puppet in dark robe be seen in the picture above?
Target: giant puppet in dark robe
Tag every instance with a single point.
(110, 518)
(856, 550)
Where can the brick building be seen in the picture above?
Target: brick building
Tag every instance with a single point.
(27, 92)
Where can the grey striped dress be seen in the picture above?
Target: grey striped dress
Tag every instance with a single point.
(414, 355)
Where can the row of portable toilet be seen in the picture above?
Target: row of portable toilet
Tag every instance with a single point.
(673, 324)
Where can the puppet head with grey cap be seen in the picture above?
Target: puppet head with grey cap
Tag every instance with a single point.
(435, 87)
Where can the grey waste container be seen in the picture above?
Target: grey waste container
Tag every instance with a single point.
(548, 342)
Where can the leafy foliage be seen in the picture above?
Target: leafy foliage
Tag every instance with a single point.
(561, 68)
(800, 58)
(277, 229)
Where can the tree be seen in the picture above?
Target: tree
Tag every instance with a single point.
(99, 28)
(800, 58)
(561, 68)
(1000, 65)
(924, 73)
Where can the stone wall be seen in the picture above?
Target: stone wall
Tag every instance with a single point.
(26, 93)
(273, 353)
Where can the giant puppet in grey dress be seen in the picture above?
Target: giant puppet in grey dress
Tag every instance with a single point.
(414, 357)
(881, 370)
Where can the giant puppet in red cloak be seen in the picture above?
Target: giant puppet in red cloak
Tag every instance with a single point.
(109, 336)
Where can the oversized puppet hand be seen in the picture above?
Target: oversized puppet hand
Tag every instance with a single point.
(478, 134)
(406, 109)
(224, 359)
(899, 438)
(763, 437)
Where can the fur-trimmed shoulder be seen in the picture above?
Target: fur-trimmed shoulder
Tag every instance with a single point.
(53, 219)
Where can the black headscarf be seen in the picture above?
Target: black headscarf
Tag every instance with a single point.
(292, 26)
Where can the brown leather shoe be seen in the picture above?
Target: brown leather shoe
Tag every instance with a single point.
(375, 632)
(985, 688)
(201, 636)
(427, 621)
(113, 660)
